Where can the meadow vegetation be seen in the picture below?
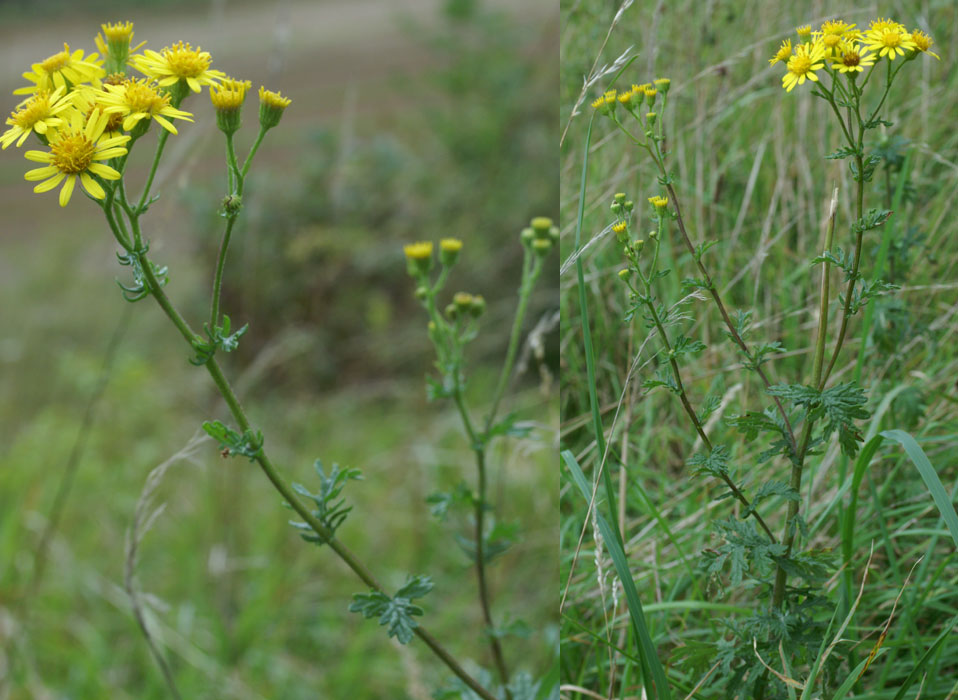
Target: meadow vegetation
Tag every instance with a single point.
(677, 523)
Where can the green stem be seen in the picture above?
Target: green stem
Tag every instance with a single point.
(218, 277)
(525, 292)
(350, 559)
(160, 145)
(778, 592)
(717, 298)
(683, 397)
(249, 157)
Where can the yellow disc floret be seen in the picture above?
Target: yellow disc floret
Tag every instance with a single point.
(451, 245)
(852, 58)
(421, 250)
(229, 94)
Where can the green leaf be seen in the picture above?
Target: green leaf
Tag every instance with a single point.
(841, 405)
(714, 463)
(929, 476)
(331, 510)
(397, 612)
(248, 444)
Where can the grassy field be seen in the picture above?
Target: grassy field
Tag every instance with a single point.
(240, 606)
(749, 169)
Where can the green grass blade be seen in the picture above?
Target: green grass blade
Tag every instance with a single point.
(852, 678)
(656, 684)
(587, 340)
(925, 658)
(930, 477)
(848, 523)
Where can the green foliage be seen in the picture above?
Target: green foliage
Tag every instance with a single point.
(714, 463)
(745, 551)
(219, 338)
(140, 289)
(397, 612)
(248, 444)
(331, 510)
(841, 405)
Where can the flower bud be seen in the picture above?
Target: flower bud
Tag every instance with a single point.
(271, 107)
(419, 257)
(452, 312)
(542, 246)
(422, 293)
(638, 245)
(650, 118)
(449, 251)
(624, 273)
(227, 98)
(541, 226)
(478, 306)
(662, 85)
(619, 197)
(527, 236)
(620, 229)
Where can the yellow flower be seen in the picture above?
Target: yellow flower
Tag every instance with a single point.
(852, 58)
(178, 62)
(658, 202)
(271, 107)
(74, 151)
(599, 102)
(889, 39)
(804, 32)
(783, 54)
(803, 65)
(831, 43)
(450, 245)
(841, 29)
(662, 84)
(62, 69)
(421, 250)
(37, 113)
(137, 99)
(923, 42)
(620, 230)
(229, 94)
(119, 36)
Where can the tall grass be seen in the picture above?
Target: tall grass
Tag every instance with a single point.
(749, 172)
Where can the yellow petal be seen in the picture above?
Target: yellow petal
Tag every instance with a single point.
(92, 186)
(41, 173)
(104, 171)
(194, 84)
(67, 190)
(108, 153)
(50, 184)
(165, 124)
(39, 156)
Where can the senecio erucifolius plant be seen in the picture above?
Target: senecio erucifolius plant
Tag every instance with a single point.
(777, 648)
(83, 114)
(450, 330)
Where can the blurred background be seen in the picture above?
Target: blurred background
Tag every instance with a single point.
(410, 120)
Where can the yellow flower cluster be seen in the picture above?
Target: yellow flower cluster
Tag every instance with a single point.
(632, 98)
(87, 108)
(840, 47)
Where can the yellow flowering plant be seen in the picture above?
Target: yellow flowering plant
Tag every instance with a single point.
(86, 113)
(852, 70)
(450, 330)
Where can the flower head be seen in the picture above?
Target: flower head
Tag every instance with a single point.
(620, 230)
(74, 151)
(662, 84)
(783, 54)
(839, 28)
(38, 113)
(178, 62)
(804, 32)
(923, 42)
(659, 202)
(136, 99)
(449, 251)
(889, 38)
(803, 64)
(62, 69)
(227, 99)
(852, 58)
(421, 250)
(116, 46)
(272, 105)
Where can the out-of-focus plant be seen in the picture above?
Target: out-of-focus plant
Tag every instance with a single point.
(87, 113)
